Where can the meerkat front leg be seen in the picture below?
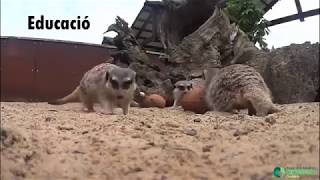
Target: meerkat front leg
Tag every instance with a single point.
(177, 95)
(106, 105)
(125, 108)
(177, 102)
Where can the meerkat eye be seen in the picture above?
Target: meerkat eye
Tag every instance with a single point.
(189, 87)
(126, 84)
(114, 84)
(107, 76)
(182, 88)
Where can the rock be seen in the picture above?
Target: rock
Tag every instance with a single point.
(207, 148)
(85, 132)
(48, 119)
(171, 124)
(270, 120)
(291, 73)
(68, 128)
(190, 132)
(136, 136)
(240, 132)
(196, 74)
(197, 120)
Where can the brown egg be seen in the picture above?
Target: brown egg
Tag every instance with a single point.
(194, 101)
(153, 100)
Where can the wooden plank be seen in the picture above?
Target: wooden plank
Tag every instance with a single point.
(295, 17)
(139, 29)
(299, 8)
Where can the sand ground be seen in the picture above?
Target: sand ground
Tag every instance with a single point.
(41, 141)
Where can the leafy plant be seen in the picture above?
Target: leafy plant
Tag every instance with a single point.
(249, 18)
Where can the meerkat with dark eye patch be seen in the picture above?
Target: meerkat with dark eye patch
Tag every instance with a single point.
(238, 87)
(180, 89)
(107, 84)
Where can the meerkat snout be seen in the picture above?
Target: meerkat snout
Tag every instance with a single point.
(122, 84)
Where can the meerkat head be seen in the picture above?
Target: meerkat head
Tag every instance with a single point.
(121, 82)
(183, 86)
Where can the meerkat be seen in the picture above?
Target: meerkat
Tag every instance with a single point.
(197, 82)
(107, 84)
(238, 87)
(180, 89)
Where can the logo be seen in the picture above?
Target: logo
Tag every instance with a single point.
(294, 172)
(279, 172)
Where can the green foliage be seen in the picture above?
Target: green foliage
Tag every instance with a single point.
(249, 18)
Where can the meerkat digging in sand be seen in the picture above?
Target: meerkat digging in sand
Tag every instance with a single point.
(107, 84)
(238, 87)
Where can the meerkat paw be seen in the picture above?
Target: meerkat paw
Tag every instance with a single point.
(86, 110)
(134, 104)
(273, 109)
(106, 113)
(235, 111)
(175, 108)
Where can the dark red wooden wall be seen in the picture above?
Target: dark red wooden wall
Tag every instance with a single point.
(39, 70)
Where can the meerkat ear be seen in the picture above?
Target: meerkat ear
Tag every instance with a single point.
(135, 77)
(107, 76)
(204, 74)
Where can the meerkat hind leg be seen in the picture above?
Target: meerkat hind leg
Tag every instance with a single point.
(251, 110)
(87, 103)
(261, 107)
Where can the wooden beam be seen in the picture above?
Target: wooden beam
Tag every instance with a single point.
(139, 29)
(144, 20)
(155, 17)
(299, 8)
(295, 17)
(154, 48)
(144, 25)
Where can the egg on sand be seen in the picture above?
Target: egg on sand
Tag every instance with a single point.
(194, 101)
(153, 100)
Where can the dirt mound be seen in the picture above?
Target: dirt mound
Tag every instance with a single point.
(40, 141)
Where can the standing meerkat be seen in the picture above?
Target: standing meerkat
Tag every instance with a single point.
(107, 84)
(180, 89)
(238, 87)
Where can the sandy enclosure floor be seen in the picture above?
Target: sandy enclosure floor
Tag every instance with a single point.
(41, 141)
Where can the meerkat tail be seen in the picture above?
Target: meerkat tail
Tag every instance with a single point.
(73, 97)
